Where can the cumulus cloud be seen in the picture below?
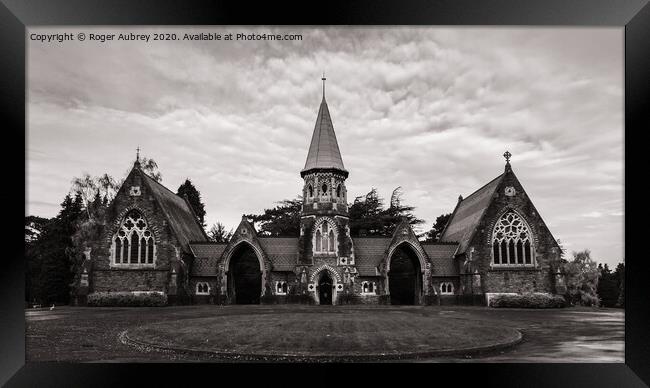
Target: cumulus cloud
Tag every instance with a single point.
(428, 109)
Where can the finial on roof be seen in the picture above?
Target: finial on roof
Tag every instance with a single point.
(323, 79)
(507, 155)
(137, 157)
(460, 198)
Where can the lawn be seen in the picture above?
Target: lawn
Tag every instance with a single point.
(84, 334)
(371, 333)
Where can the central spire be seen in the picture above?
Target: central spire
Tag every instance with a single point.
(324, 153)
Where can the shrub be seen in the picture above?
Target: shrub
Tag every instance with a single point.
(127, 299)
(536, 300)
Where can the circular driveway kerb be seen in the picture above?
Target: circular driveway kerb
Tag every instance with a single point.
(327, 336)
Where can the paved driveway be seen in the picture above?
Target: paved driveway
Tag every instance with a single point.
(559, 335)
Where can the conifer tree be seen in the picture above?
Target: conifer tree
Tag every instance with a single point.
(194, 198)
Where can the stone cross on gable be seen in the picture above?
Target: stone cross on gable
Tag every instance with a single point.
(507, 155)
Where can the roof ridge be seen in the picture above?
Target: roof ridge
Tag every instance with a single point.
(206, 243)
(482, 187)
(278, 236)
(320, 127)
(438, 243)
(160, 184)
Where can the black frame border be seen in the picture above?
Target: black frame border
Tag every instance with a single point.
(633, 15)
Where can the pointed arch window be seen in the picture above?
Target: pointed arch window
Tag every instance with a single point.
(324, 238)
(338, 191)
(368, 288)
(133, 244)
(310, 190)
(512, 242)
(202, 288)
(281, 288)
(446, 288)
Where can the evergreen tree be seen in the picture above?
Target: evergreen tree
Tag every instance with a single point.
(619, 273)
(282, 220)
(194, 198)
(607, 287)
(34, 228)
(435, 232)
(365, 215)
(51, 253)
(397, 211)
(219, 234)
(368, 217)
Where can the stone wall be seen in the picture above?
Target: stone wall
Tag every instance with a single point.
(546, 251)
(106, 276)
(129, 280)
(203, 299)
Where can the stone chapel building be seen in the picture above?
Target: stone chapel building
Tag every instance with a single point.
(494, 242)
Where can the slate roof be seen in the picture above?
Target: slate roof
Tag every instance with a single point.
(281, 251)
(442, 258)
(178, 212)
(206, 257)
(468, 214)
(324, 149)
(369, 252)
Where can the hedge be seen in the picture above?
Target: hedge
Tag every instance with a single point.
(127, 299)
(535, 301)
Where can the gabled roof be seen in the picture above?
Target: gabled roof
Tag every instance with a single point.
(281, 251)
(468, 215)
(178, 212)
(324, 150)
(442, 258)
(369, 252)
(206, 257)
(208, 250)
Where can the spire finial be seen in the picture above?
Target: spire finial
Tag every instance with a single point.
(507, 155)
(137, 158)
(323, 79)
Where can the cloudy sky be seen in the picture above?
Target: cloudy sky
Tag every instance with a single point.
(428, 109)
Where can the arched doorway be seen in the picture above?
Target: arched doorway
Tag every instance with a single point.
(325, 288)
(404, 280)
(244, 276)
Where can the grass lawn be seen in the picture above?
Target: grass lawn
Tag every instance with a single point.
(373, 332)
(84, 334)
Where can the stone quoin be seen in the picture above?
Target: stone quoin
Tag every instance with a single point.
(494, 242)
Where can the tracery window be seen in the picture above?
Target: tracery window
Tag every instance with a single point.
(512, 241)
(202, 288)
(134, 242)
(446, 288)
(324, 238)
(324, 189)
